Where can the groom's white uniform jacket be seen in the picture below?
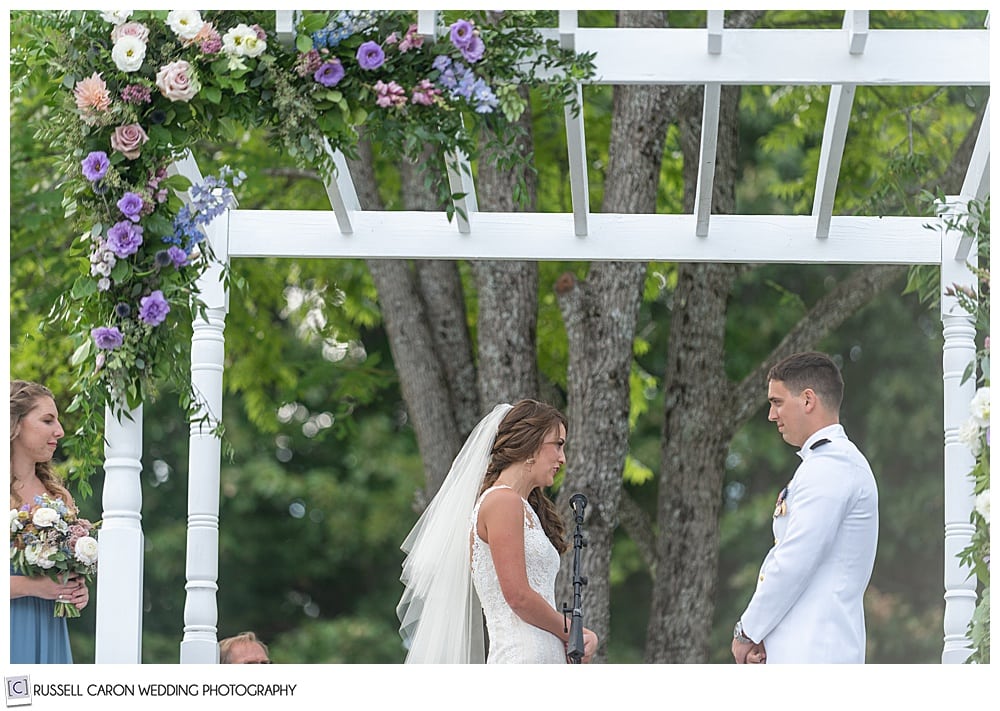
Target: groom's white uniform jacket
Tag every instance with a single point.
(808, 603)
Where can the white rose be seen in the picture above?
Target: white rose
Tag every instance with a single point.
(116, 17)
(186, 24)
(15, 522)
(86, 550)
(980, 406)
(128, 53)
(44, 517)
(45, 557)
(254, 46)
(968, 434)
(983, 505)
(235, 42)
(31, 553)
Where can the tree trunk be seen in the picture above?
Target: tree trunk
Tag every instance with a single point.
(507, 290)
(422, 379)
(600, 316)
(696, 431)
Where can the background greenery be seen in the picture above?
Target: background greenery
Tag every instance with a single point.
(317, 492)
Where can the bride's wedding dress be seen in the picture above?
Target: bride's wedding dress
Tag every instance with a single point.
(511, 639)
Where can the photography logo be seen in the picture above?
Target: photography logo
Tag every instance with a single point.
(18, 690)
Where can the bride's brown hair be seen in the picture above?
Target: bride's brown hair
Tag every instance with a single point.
(519, 435)
(24, 396)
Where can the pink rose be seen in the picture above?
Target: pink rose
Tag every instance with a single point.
(128, 139)
(131, 29)
(176, 82)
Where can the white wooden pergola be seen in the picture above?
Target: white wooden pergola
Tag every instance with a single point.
(713, 56)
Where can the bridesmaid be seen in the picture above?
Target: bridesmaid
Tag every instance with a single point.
(36, 636)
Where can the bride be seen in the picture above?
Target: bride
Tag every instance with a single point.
(489, 543)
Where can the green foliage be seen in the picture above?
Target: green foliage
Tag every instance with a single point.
(132, 97)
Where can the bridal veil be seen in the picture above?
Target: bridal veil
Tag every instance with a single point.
(441, 619)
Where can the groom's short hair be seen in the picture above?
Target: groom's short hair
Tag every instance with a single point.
(811, 370)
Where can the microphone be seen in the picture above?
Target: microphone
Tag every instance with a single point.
(574, 647)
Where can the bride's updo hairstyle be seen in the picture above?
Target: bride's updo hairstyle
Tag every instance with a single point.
(519, 435)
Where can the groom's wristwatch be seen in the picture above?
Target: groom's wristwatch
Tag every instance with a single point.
(739, 636)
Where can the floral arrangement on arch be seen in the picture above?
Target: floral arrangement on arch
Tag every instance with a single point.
(135, 91)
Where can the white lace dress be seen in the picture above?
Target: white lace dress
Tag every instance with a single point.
(512, 640)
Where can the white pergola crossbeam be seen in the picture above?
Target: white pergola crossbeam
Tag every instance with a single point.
(576, 144)
(856, 24)
(838, 116)
(461, 184)
(612, 237)
(284, 27)
(706, 160)
(976, 185)
(977, 178)
(787, 57)
(341, 191)
(427, 23)
(714, 24)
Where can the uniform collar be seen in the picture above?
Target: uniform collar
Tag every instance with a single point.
(829, 432)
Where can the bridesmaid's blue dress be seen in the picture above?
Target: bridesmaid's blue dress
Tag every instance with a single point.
(36, 637)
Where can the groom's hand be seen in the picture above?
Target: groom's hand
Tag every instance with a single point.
(757, 654)
(741, 650)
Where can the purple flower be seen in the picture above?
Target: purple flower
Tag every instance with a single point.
(370, 55)
(474, 51)
(330, 73)
(107, 337)
(124, 238)
(95, 165)
(461, 34)
(123, 310)
(153, 308)
(178, 256)
(441, 62)
(131, 206)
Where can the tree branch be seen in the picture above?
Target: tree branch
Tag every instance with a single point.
(828, 313)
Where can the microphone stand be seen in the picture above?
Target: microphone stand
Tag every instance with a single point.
(574, 647)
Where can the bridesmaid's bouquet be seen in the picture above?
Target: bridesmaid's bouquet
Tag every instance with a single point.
(48, 538)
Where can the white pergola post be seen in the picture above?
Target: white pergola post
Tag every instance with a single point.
(120, 543)
(201, 615)
(959, 351)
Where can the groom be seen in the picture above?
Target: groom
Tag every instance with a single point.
(808, 603)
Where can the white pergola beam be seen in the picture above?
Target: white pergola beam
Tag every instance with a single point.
(284, 27)
(706, 159)
(576, 148)
(856, 24)
(576, 144)
(551, 237)
(838, 115)
(977, 178)
(787, 57)
(341, 191)
(976, 185)
(714, 24)
(461, 184)
(427, 23)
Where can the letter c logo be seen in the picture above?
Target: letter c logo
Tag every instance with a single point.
(17, 687)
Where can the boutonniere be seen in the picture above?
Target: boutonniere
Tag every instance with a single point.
(780, 507)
